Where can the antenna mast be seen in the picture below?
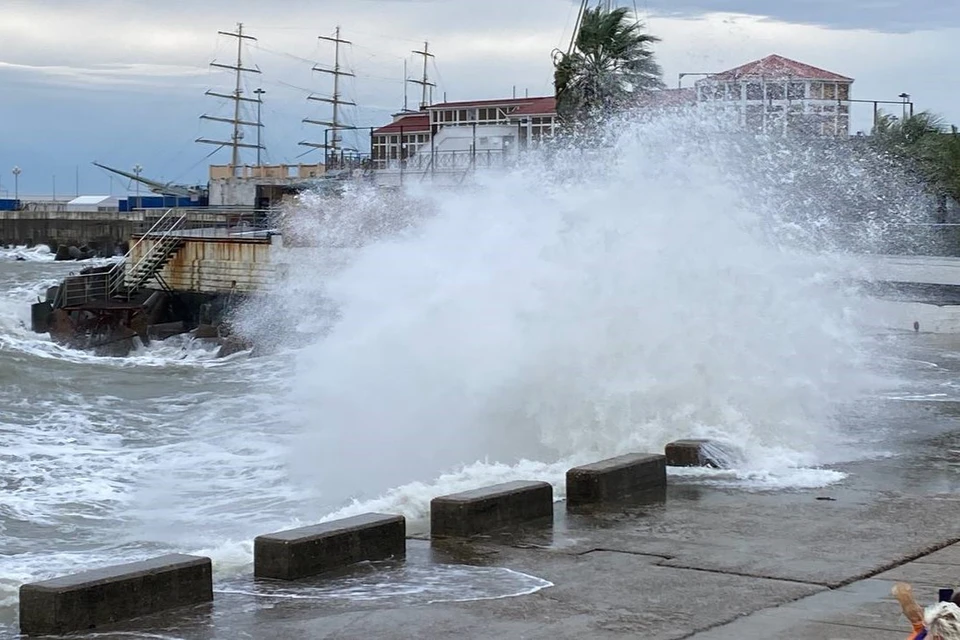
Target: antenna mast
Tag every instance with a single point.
(335, 123)
(237, 98)
(425, 81)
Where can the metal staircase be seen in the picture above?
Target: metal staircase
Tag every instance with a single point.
(150, 265)
(165, 234)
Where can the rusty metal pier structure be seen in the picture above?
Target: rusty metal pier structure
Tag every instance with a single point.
(180, 261)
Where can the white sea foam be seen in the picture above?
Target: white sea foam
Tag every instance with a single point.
(38, 253)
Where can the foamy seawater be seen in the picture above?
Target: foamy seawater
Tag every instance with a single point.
(528, 322)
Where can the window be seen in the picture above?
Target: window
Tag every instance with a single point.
(462, 115)
(816, 90)
(775, 92)
(394, 139)
(448, 116)
(754, 91)
(843, 91)
(829, 91)
(796, 91)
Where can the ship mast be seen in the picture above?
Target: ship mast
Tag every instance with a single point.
(335, 124)
(425, 83)
(237, 97)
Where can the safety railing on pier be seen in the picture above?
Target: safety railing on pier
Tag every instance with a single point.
(105, 282)
(427, 160)
(216, 222)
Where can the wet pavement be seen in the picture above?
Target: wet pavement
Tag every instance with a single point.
(707, 563)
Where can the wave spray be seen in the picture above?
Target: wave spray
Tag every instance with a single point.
(582, 305)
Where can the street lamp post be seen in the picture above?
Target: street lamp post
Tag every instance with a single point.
(16, 183)
(259, 93)
(905, 97)
(136, 170)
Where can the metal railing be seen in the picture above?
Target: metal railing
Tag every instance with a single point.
(83, 288)
(165, 226)
(217, 222)
(449, 160)
(104, 284)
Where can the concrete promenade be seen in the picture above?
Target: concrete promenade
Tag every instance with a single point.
(708, 563)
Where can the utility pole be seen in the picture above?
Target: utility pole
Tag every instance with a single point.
(335, 124)
(237, 98)
(259, 93)
(137, 170)
(16, 183)
(424, 82)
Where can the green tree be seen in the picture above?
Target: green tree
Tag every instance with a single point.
(928, 147)
(611, 59)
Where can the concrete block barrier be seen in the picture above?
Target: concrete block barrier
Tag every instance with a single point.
(308, 551)
(91, 599)
(694, 453)
(490, 508)
(629, 476)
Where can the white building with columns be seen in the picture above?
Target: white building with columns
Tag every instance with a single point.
(777, 95)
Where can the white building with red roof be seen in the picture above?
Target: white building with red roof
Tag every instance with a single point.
(779, 95)
(457, 135)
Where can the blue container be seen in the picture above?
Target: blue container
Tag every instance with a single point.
(160, 202)
(9, 204)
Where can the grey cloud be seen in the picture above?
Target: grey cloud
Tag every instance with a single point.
(895, 16)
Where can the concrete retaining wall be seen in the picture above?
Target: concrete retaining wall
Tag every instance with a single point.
(67, 227)
(213, 266)
(94, 598)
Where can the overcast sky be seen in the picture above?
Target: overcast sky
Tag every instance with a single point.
(122, 81)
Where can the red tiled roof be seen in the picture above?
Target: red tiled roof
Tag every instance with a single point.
(413, 123)
(483, 103)
(537, 107)
(775, 66)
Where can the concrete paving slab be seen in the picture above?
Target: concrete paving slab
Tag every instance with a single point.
(925, 573)
(861, 610)
(947, 555)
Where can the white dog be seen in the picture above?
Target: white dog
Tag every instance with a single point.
(942, 621)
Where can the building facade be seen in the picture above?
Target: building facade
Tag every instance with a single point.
(452, 135)
(777, 95)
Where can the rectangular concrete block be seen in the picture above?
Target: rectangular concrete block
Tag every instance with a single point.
(95, 598)
(490, 508)
(621, 478)
(699, 453)
(308, 551)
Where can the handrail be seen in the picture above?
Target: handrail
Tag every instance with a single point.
(158, 245)
(107, 283)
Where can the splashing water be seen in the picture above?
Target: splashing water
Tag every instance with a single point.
(587, 304)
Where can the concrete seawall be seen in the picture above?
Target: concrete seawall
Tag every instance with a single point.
(67, 227)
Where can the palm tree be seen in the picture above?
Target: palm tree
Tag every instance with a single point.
(610, 60)
(928, 149)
